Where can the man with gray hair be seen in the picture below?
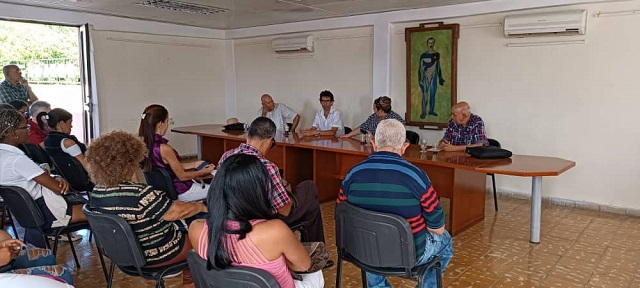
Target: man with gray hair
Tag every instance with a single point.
(14, 86)
(465, 129)
(37, 134)
(385, 182)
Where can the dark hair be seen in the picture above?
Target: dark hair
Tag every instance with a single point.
(383, 103)
(151, 116)
(6, 106)
(18, 104)
(262, 128)
(54, 117)
(326, 93)
(240, 193)
(9, 121)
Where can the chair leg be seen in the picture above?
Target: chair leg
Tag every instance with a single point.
(339, 270)
(104, 266)
(438, 275)
(55, 244)
(110, 280)
(495, 194)
(73, 251)
(363, 276)
(160, 283)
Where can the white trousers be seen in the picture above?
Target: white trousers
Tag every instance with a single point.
(311, 280)
(21, 280)
(195, 193)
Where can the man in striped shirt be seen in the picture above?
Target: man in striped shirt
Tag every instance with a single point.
(385, 182)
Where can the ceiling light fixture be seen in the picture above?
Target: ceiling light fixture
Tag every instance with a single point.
(183, 7)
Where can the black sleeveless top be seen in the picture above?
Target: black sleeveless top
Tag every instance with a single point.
(53, 143)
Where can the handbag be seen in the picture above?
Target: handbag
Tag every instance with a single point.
(488, 152)
(234, 127)
(319, 258)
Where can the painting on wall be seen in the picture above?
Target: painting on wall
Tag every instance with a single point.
(431, 73)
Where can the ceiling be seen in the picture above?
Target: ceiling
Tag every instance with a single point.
(239, 13)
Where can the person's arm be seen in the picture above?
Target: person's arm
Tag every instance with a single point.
(71, 148)
(431, 210)
(285, 210)
(195, 229)
(295, 254)
(450, 147)
(32, 96)
(58, 185)
(296, 121)
(356, 131)
(181, 210)
(169, 157)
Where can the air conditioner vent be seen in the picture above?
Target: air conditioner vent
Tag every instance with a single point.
(183, 7)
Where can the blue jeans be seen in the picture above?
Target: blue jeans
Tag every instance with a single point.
(36, 261)
(436, 245)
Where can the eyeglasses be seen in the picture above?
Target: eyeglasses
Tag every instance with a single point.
(28, 127)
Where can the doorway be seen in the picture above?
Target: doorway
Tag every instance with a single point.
(54, 59)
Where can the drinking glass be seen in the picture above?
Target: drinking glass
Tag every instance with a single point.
(368, 138)
(423, 145)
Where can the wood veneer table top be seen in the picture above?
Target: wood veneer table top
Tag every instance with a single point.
(517, 165)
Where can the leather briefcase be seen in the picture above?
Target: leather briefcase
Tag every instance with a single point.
(488, 152)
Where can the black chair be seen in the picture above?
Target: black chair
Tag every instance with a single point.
(380, 243)
(71, 169)
(28, 215)
(233, 277)
(160, 179)
(116, 240)
(347, 130)
(493, 142)
(36, 154)
(413, 137)
(5, 215)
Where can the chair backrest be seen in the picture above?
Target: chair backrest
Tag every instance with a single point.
(233, 277)
(115, 237)
(71, 169)
(494, 142)
(36, 153)
(413, 137)
(347, 130)
(22, 206)
(161, 180)
(374, 238)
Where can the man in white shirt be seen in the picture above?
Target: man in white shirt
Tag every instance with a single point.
(278, 113)
(328, 121)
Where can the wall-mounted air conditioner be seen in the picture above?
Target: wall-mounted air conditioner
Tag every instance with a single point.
(293, 44)
(572, 22)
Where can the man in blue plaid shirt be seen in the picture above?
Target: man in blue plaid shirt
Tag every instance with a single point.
(465, 129)
(15, 87)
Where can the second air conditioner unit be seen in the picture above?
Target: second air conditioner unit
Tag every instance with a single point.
(572, 22)
(293, 44)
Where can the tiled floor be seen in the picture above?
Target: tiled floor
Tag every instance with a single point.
(579, 248)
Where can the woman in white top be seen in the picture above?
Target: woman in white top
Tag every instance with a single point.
(16, 169)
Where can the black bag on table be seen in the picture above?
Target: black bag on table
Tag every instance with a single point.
(488, 152)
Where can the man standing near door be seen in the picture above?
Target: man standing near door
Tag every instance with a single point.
(15, 87)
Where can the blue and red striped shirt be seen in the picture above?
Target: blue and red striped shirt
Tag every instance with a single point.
(385, 182)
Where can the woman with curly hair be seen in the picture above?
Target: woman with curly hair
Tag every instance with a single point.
(153, 126)
(16, 169)
(112, 160)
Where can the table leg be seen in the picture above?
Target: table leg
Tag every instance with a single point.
(199, 142)
(536, 208)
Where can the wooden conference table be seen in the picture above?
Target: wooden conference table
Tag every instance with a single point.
(326, 161)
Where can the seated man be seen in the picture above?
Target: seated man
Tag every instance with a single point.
(385, 182)
(306, 209)
(328, 121)
(465, 129)
(278, 113)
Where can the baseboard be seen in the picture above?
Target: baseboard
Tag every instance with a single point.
(571, 203)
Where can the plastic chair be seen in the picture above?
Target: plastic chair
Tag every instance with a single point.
(493, 142)
(28, 215)
(347, 130)
(232, 277)
(36, 154)
(71, 169)
(116, 240)
(413, 137)
(380, 243)
(4, 214)
(160, 179)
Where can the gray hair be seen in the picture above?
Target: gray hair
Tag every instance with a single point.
(390, 133)
(39, 106)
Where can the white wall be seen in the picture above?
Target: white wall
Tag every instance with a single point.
(184, 74)
(576, 102)
(341, 62)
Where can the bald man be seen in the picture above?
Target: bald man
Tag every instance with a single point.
(465, 129)
(14, 87)
(278, 113)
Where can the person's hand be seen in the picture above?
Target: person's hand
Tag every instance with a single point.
(208, 169)
(63, 184)
(448, 147)
(9, 249)
(441, 82)
(344, 136)
(197, 164)
(24, 83)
